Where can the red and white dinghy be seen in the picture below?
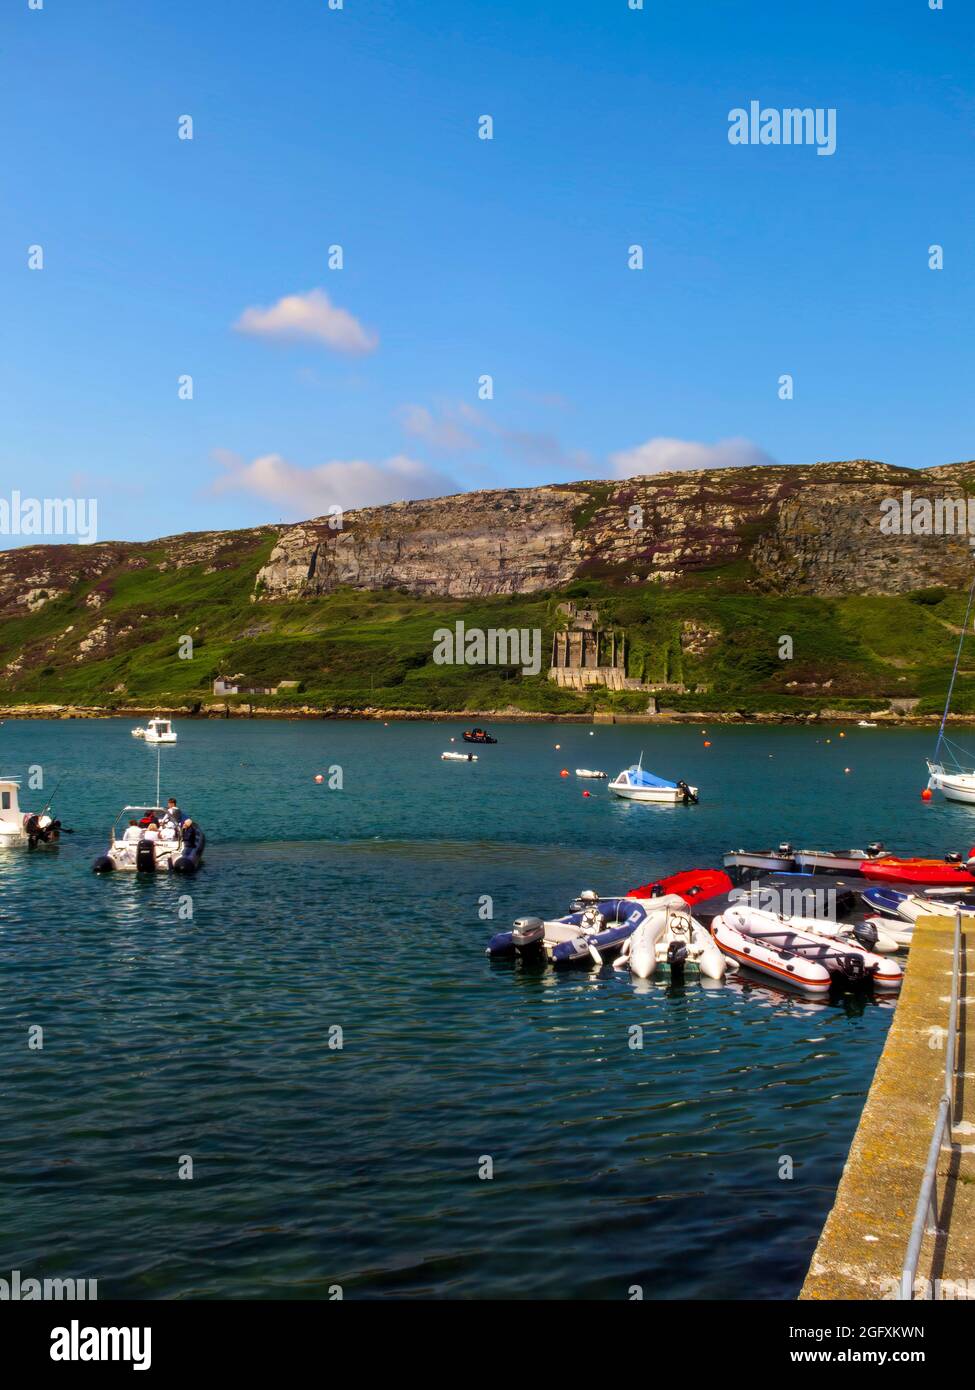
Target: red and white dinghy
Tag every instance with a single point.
(777, 963)
(846, 960)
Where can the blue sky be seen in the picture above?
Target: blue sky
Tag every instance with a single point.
(462, 257)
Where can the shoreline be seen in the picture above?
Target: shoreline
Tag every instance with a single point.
(505, 716)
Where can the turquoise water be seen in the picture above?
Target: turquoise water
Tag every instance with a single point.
(359, 909)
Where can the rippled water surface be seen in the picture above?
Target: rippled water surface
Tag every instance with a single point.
(358, 909)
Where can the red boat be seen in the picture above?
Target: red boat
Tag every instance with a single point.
(933, 872)
(693, 885)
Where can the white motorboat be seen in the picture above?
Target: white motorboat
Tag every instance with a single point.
(135, 848)
(636, 784)
(956, 786)
(670, 938)
(157, 731)
(19, 827)
(866, 724)
(458, 757)
(588, 772)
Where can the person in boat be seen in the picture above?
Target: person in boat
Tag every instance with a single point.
(169, 830)
(191, 834)
(133, 833)
(593, 920)
(151, 832)
(173, 813)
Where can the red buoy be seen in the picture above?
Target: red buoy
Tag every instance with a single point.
(587, 793)
(926, 794)
(564, 772)
(707, 743)
(319, 777)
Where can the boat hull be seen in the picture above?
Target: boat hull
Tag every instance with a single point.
(659, 796)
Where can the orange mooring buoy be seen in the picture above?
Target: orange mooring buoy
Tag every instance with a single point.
(319, 777)
(564, 772)
(926, 794)
(707, 743)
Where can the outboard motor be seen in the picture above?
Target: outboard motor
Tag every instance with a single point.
(102, 865)
(145, 856)
(875, 849)
(528, 933)
(687, 796)
(853, 967)
(677, 955)
(953, 858)
(866, 934)
(785, 849)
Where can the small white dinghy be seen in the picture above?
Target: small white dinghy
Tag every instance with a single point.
(670, 938)
(588, 772)
(846, 960)
(458, 757)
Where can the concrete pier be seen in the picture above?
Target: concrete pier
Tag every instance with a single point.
(863, 1244)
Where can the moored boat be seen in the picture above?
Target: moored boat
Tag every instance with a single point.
(19, 827)
(593, 928)
(157, 731)
(775, 962)
(588, 772)
(935, 873)
(693, 885)
(847, 960)
(668, 938)
(449, 757)
(478, 736)
(636, 784)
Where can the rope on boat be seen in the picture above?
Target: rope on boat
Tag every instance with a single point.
(954, 673)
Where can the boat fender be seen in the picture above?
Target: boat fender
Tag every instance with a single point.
(102, 865)
(866, 934)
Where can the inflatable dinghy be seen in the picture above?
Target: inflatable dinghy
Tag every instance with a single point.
(847, 960)
(669, 938)
(775, 962)
(908, 907)
(458, 757)
(564, 940)
(693, 885)
(935, 873)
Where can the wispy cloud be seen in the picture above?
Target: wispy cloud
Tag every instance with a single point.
(345, 483)
(309, 317)
(663, 455)
(440, 432)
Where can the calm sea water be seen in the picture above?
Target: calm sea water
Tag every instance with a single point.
(358, 909)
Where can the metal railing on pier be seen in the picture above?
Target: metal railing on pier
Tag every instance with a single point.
(927, 1202)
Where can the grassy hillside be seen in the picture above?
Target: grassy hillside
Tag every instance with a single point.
(115, 642)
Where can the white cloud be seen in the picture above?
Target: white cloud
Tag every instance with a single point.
(309, 317)
(309, 492)
(662, 455)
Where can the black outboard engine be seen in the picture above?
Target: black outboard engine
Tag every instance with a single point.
(785, 849)
(32, 829)
(145, 857)
(875, 849)
(866, 934)
(853, 967)
(677, 955)
(953, 858)
(527, 933)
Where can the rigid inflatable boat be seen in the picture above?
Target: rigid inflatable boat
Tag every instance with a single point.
(693, 885)
(669, 938)
(564, 940)
(945, 873)
(908, 907)
(478, 736)
(181, 855)
(776, 962)
(847, 960)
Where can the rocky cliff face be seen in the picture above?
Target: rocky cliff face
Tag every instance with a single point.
(813, 529)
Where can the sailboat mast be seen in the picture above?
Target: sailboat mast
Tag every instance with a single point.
(954, 673)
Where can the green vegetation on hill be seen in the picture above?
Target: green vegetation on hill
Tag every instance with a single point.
(116, 642)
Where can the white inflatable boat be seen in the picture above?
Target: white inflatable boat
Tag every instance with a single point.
(846, 960)
(458, 757)
(776, 962)
(670, 938)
